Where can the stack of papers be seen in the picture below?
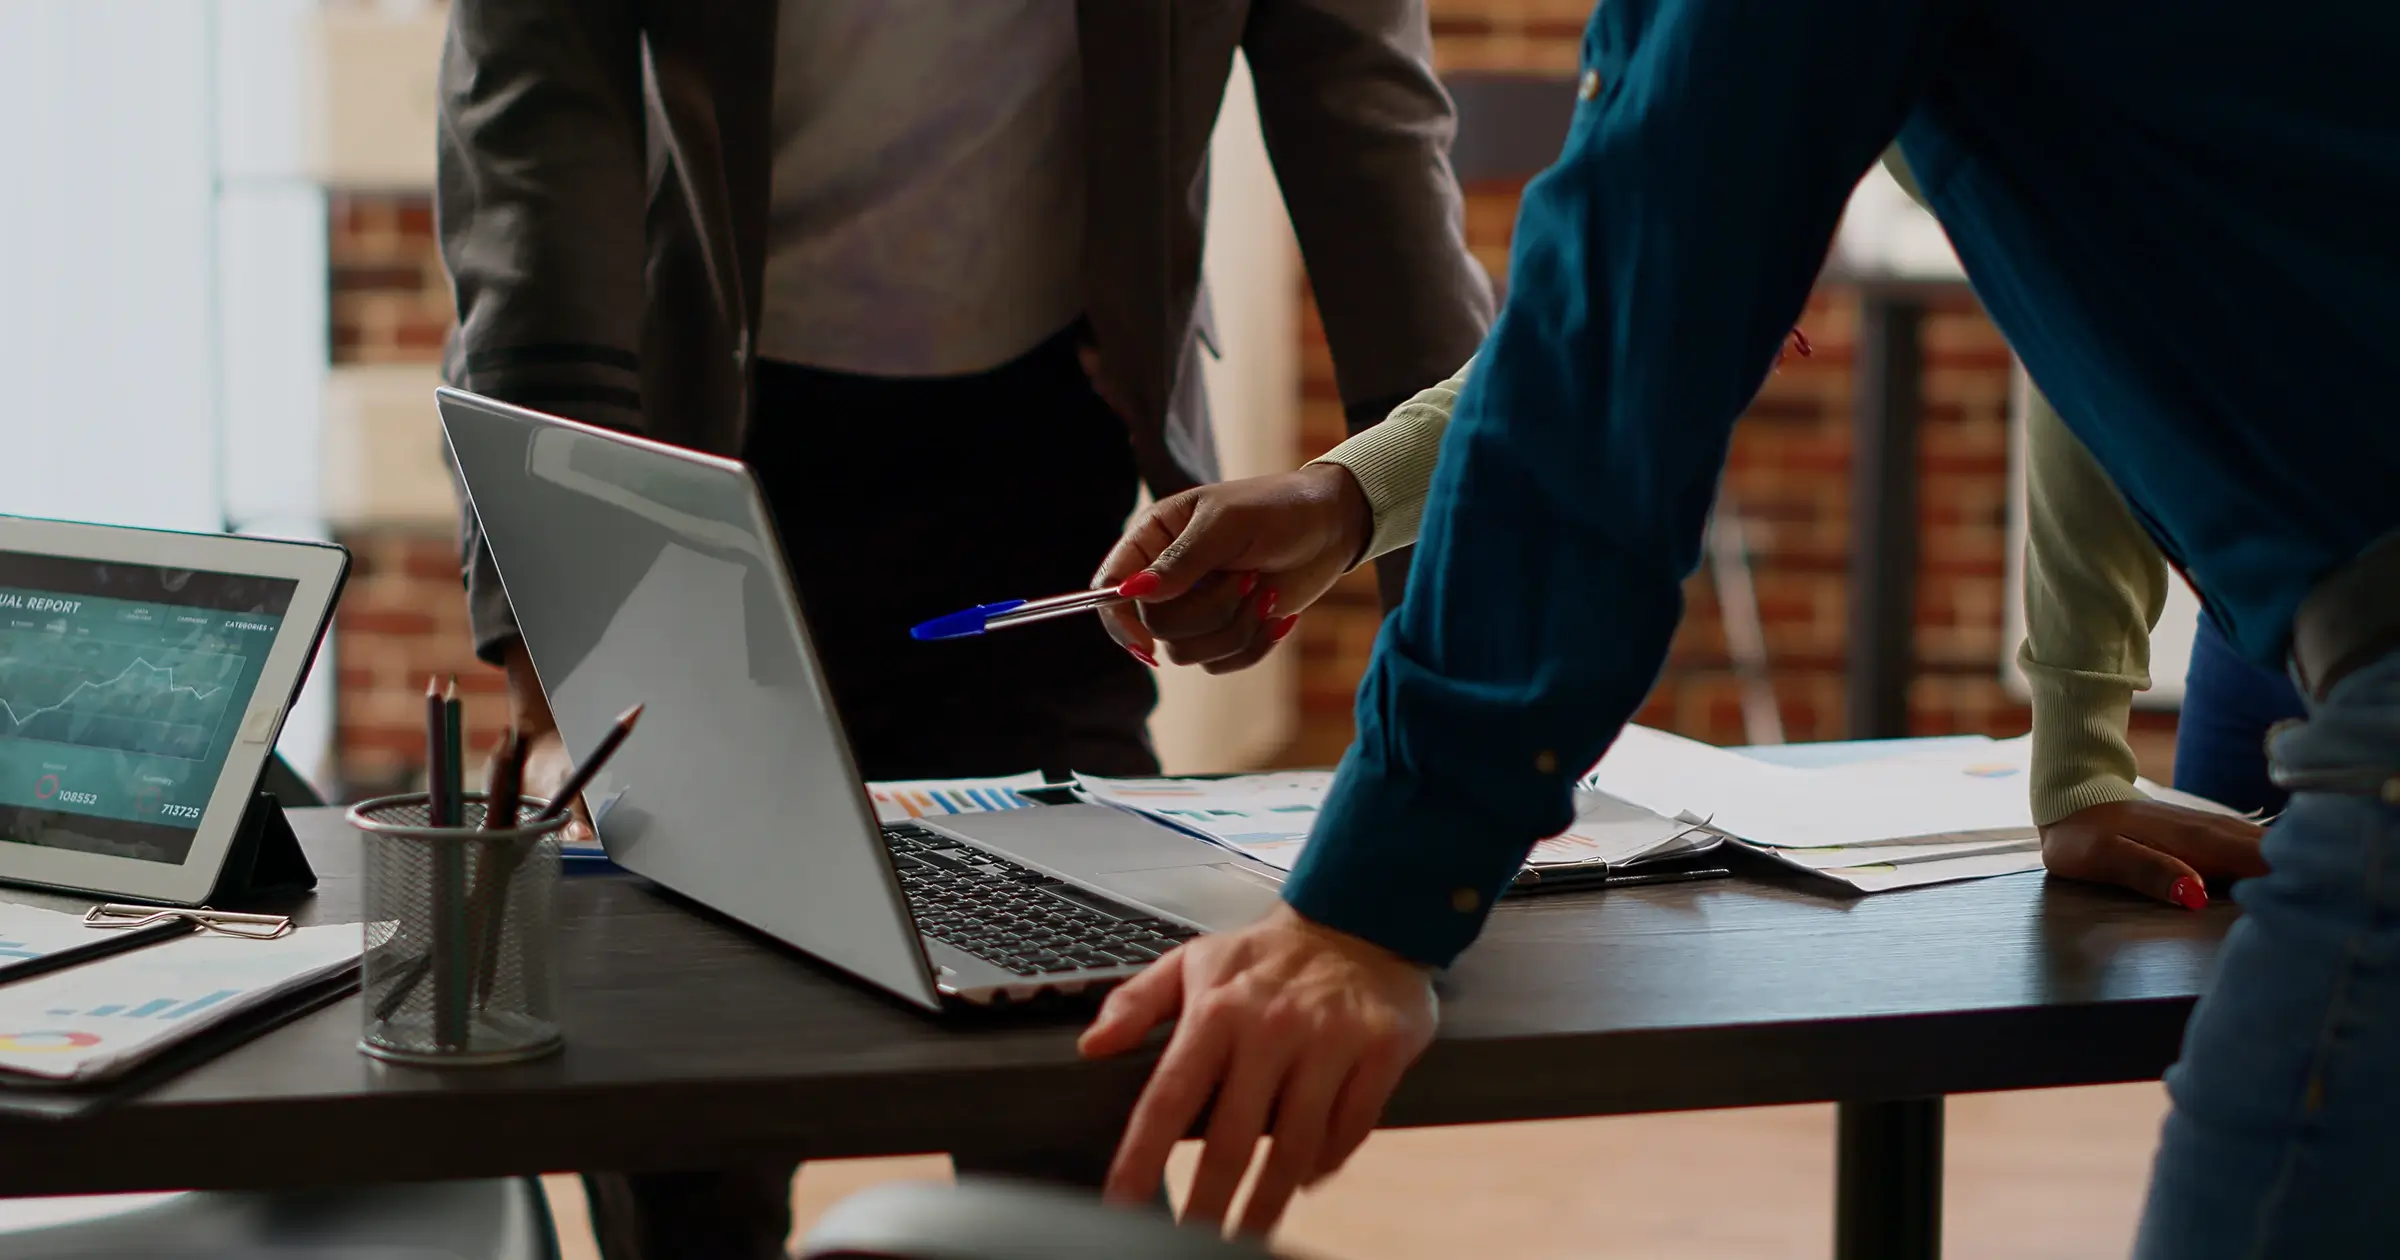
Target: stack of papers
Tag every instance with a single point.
(1268, 817)
(94, 1021)
(1921, 812)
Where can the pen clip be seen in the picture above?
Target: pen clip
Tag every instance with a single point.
(249, 927)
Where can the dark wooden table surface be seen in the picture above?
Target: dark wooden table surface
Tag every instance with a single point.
(692, 1042)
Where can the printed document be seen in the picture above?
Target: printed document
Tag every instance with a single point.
(1269, 816)
(92, 1021)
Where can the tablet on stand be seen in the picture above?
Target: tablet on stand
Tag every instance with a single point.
(144, 676)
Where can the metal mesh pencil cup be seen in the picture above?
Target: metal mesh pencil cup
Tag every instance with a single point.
(461, 963)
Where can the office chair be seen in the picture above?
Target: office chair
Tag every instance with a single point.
(1002, 1220)
(506, 1219)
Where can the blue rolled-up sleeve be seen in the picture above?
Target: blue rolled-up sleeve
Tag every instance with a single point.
(1656, 269)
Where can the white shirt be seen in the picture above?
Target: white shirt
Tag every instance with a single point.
(926, 217)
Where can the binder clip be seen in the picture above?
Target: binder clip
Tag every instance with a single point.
(253, 927)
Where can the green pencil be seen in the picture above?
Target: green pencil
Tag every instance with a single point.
(454, 956)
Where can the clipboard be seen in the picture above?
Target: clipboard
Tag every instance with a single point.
(144, 1000)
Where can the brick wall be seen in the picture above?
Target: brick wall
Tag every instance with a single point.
(1515, 36)
(390, 300)
(1790, 471)
(403, 616)
(403, 619)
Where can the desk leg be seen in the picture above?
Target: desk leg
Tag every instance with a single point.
(1883, 516)
(1887, 1195)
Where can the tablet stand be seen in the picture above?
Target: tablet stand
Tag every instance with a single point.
(264, 862)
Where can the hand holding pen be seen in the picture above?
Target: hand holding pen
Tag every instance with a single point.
(1213, 577)
(1234, 565)
(1237, 563)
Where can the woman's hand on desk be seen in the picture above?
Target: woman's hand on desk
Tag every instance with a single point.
(1285, 1023)
(2161, 850)
(1232, 565)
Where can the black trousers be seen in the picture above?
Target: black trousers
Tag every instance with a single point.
(898, 501)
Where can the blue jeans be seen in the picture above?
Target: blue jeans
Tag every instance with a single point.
(2220, 739)
(2285, 1134)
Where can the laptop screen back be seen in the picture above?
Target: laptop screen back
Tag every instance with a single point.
(641, 573)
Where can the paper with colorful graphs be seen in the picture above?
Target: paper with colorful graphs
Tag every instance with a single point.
(931, 798)
(1269, 816)
(94, 1020)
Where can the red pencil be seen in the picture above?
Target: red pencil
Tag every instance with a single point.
(592, 765)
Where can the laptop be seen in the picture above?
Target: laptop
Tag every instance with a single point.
(641, 572)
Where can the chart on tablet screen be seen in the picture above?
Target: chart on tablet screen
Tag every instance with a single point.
(119, 709)
(137, 695)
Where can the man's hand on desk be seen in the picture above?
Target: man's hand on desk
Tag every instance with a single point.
(2161, 850)
(547, 762)
(1234, 564)
(1284, 1022)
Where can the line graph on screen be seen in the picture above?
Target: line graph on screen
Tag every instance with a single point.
(148, 698)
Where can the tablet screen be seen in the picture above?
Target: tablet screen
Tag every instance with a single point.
(122, 689)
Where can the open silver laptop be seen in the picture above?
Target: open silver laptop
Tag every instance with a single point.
(646, 573)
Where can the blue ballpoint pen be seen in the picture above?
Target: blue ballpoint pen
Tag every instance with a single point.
(1014, 612)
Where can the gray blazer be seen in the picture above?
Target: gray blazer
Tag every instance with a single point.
(603, 185)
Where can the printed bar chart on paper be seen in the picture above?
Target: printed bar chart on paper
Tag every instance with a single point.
(91, 1020)
(156, 1008)
(932, 798)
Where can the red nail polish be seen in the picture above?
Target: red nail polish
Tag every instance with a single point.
(1266, 604)
(2190, 894)
(1276, 632)
(1249, 583)
(1142, 656)
(1138, 585)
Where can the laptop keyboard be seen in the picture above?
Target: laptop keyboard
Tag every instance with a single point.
(1015, 917)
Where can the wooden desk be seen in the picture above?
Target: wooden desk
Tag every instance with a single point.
(692, 1042)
